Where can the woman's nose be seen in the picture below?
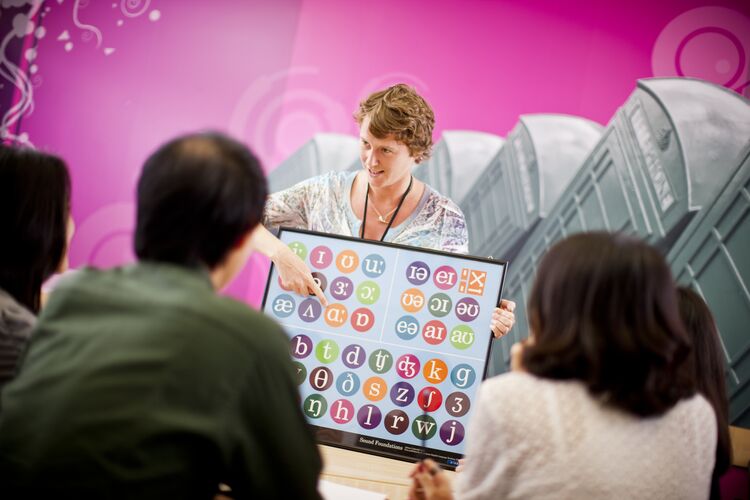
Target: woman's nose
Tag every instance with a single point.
(370, 159)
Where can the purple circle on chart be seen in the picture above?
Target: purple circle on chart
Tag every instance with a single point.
(341, 288)
(309, 310)
(417, 273)
(353, 356)
(300, 346)
(452, 432)
(402, 393)
(467, 309)
(321, 257)
(369, 416)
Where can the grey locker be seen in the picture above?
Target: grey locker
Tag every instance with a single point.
(323, 153)
(666, 153)
(458, 158)
(713, 257)
(522, 182)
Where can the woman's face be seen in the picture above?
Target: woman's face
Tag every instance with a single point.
(386, 161)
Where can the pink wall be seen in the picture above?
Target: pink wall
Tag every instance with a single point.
(138, 72)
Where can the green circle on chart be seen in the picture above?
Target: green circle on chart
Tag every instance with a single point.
(381, 361)
(439, 305)
(299, 249)
(424, 427)
(327, 351)
(315, 406)
(368, 292)
(300, 372)
(462, 336)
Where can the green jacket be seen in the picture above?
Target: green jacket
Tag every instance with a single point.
(141, 382)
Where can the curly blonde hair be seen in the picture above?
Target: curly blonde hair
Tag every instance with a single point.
(400, 111)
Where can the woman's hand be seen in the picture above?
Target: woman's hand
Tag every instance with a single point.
(503, 318)
(295, 275)
(429, 482)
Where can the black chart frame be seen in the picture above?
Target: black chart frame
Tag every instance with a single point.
(349, 440)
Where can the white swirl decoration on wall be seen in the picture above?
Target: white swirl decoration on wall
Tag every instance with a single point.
(105, 237)
(134, 8)
(90, 29)
(386, 80)
(25, 77)
(710, 43)
(23, 25)
(279, 112)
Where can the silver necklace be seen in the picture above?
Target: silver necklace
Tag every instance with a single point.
(383, 218)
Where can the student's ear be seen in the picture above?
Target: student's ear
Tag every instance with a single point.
(245, 239)
(516, 353)
(234, 261)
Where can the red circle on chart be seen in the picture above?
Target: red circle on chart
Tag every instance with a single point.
(430, 399)
(362, 319)
(434, 332)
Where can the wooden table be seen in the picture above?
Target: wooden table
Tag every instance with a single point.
(368, 472)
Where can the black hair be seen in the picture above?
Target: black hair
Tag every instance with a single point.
(197, 196)
(708, 362)
(603, 310)
(34, 211)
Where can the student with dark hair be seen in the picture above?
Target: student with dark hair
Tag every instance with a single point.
(142, 382)
(605, 404)
(37, 227)
(708, 360)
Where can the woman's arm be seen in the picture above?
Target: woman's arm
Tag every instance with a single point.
(294, 273)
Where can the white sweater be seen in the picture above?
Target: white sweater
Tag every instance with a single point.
(538, 438)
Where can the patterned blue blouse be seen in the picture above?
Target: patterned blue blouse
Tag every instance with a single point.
(322, 204)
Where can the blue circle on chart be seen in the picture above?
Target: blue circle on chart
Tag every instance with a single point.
(407, 327)
(463, 376)
(283, 305)
(347, 383)
(373, 266)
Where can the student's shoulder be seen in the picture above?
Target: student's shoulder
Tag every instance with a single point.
(695, 408)
(247, 325)
(515, 385)
(86, 279)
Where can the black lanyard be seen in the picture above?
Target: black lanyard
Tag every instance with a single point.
(401, 202)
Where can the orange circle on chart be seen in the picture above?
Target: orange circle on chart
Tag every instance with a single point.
(375, 388)
(347, 261)
(435, 371)
(335, 315)
(412, 300)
